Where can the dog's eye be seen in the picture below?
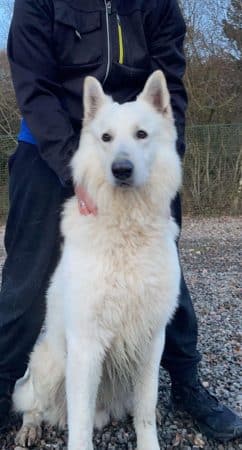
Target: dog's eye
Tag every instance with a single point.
(141, 134)
(106, 137)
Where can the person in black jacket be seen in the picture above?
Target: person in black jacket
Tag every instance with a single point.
(52, 46)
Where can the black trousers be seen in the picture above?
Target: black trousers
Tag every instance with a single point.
(32, 242)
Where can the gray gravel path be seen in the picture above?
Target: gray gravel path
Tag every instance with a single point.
(211, 262)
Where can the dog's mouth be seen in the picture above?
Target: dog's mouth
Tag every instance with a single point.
(124, 184)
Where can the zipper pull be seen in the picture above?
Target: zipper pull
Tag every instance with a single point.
(109, 7)
(78, 34)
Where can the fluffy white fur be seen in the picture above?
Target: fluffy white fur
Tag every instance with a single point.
(117, 282)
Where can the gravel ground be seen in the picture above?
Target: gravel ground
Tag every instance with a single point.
(211, 262)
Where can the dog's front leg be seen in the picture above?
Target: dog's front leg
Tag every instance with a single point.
(84, 366)
(145, 396)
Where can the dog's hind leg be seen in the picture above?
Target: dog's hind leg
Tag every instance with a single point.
(40, 394)
(145, 396)
(36, 395)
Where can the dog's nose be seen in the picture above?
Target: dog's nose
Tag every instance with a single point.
(122, 169)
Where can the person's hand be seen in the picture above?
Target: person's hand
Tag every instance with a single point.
(85, 203)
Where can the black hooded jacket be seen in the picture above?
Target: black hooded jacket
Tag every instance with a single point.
(54, 44)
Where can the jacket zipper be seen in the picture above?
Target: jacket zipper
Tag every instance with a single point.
(108, 7)
(120, 41)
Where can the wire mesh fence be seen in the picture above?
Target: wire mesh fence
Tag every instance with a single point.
(7, 146)
(212, 182)
(213, 170)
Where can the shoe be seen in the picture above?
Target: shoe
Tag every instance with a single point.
(214, 420)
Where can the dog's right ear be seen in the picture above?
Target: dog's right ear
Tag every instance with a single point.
(93, 98)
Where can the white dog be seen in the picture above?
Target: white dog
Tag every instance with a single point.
(117, 283)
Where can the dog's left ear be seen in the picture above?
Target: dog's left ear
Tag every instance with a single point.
(93, 98)
(156, 93)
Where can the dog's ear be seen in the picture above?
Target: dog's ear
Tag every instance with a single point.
(156, 93)
(93, 98)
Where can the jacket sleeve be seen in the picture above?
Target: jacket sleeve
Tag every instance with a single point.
(167, 37)
(38, 90)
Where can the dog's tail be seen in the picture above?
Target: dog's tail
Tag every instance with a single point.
(23, 395)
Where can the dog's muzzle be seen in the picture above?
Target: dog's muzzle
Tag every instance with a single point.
(122, 170)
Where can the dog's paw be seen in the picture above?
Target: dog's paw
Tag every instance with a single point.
(101, 419)
(147, 441)
(154, 446)
(28, 435)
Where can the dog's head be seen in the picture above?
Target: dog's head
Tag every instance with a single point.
(127, 145)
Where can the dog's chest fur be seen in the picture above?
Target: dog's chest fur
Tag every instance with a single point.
(123, 277)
